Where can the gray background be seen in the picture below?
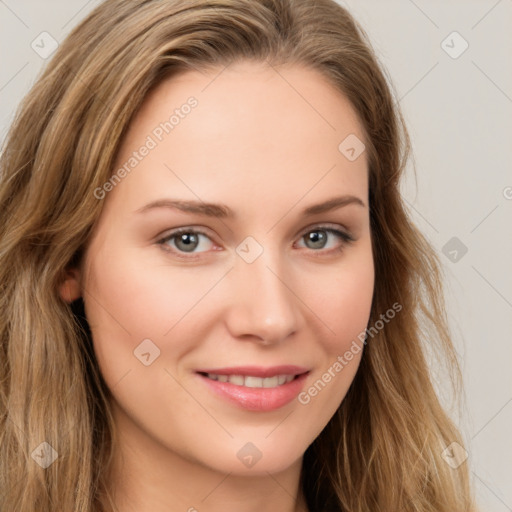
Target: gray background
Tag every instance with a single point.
(458, 109)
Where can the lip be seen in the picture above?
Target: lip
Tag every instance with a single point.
(257, 399)
(257, 371)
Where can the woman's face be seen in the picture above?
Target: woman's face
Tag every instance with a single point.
(252, 287)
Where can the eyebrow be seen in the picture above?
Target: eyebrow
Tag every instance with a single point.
(222, 211)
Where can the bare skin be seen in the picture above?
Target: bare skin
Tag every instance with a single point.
(268, 151)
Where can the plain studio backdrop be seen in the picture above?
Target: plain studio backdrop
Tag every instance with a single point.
(449, 62)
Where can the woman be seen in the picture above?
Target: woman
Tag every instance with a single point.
(213, 297)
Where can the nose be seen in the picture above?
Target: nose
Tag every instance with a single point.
(262, 305)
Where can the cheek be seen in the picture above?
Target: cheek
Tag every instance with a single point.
(342, 299)
(141, 295)
(344, 307)
(129, 298)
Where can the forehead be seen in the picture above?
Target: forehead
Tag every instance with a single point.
(260, 132)
(251, 98)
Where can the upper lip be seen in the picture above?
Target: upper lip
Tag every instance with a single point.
(257, 371)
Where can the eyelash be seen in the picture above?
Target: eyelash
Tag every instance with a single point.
(345, 237)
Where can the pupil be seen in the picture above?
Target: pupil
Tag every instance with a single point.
(189, 239)
(318, 238)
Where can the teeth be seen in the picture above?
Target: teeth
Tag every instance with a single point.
(271, 382)
(250, 381)
(254, 382)
(236, 379)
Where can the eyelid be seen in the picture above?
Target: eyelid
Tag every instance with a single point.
(342, 233)
(307, 229)
(186, 229)
(161, 241)
(328, 227)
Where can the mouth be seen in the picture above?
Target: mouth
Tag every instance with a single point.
(251, 381)
(256, 388)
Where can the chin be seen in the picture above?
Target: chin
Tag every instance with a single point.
(253, 458)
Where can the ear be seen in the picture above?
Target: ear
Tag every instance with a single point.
(70, 288)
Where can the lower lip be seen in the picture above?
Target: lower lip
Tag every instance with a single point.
(257, 399)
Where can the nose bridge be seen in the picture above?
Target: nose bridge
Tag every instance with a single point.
(262, 304)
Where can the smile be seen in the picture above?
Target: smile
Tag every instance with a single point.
(255, 388)
(251, 381)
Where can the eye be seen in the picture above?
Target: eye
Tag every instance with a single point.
(318, 238)
(186, 240)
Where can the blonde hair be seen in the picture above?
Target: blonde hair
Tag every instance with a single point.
(381, 451)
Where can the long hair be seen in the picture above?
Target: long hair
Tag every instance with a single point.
(382, 449)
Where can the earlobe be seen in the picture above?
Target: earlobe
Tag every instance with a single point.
(70, 288)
